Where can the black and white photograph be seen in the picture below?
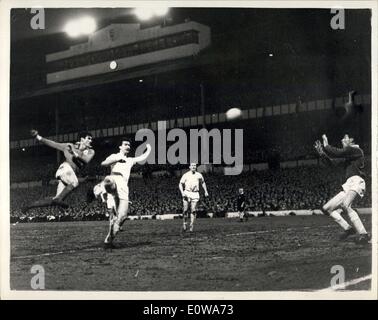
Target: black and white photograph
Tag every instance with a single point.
(190, 148)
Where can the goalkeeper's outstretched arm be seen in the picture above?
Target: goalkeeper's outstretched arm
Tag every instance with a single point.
(323, 156)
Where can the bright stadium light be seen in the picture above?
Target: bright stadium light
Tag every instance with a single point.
(71, 29)
(87, 25)
(79, 27)
(161, 10)
(145, 13)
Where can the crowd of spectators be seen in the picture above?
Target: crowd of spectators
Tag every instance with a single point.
(280, 189)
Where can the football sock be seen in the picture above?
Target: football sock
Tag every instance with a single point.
(41, 203)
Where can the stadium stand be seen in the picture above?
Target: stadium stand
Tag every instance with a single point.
(282, 189)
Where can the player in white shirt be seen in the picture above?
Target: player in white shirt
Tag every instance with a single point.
(189, 188)
(114, 188)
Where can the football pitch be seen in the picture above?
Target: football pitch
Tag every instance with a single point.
(262, 254)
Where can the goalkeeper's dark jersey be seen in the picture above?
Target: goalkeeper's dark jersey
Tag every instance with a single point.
(354, 159)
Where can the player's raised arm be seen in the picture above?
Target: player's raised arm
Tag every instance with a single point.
(144, 156)
(323, 156)
(334, 152)
(113, 158)
(47, 142)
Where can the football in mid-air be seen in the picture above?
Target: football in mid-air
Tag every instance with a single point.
(233, 114)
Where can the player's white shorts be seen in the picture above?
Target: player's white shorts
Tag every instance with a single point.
(355, 183)
(192, 196)
(122, 187)
(111, 199)
(67, 175)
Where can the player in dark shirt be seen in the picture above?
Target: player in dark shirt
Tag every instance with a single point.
(241, 205)
(355, 185)
(76, 157)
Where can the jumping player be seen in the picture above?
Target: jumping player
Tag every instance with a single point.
(115, 186)
(353, 187)
(241, 205)
(76, 157)
(189, 188)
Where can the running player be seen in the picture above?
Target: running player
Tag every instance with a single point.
(353, 187)
(241, 205)
(189, 188)
(115, 186)
(76, 157)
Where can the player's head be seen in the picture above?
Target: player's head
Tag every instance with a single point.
(124, 146)
(193, 167)
(347, 140)
(241, 190)
(85, 138)
(109, 185)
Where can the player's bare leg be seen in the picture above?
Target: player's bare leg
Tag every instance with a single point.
(333, 209)
(193, 212)
(353, 216)
(109, 238)
(67, 183)
(63, 190)
(185, 213)
(47, 202)
(118, 220)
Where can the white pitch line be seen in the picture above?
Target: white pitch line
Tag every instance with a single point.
(262, 232)
(275, 230)
(47, 254)
(346, 284)
(250, 232)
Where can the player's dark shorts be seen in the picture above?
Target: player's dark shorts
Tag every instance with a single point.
(240, 209)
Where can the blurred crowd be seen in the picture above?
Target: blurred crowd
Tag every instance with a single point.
(280, 189)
